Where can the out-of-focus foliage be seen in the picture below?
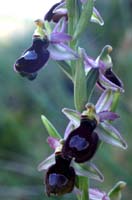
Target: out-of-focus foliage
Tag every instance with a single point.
(22, 135)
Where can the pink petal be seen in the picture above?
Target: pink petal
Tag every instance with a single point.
(53, 142)
(96, 194)
(57, 37)
(107, 115)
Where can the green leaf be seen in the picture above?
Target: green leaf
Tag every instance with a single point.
(72, 115)
(116, 96)
(85, 17)
(92, 78)
(66, 68)
(116, 192)
(80, 86)
(50, 128)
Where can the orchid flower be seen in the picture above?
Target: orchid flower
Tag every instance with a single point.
(80, 143)
(70, 165)
(107, 78)
(88, 169)
(60, 177)
(102, 114)
(47, 43)
(59, 10)
(61, 171)
(56, 16)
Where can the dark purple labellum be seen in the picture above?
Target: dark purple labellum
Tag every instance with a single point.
(110, 75)
(82, 142)
(31, 77)
(50, 15)
(60, 178)
(78, 142)
(100, 85)
(57, 16)
(33, 59)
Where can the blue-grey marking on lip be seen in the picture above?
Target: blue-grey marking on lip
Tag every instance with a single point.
(30, 55)
(78, 142)
(57, 180)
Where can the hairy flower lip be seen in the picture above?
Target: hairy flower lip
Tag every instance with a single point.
(33, 58)
(81, 144)
(55, 16)
(60, 189)
(60, 177)
(106, 83)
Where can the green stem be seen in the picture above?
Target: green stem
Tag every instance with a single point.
(115, 101)
(83, 186)
(84, 19)
(71, 15)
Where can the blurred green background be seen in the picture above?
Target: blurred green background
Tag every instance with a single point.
(22, 134)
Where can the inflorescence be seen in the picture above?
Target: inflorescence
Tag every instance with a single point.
(90, 124)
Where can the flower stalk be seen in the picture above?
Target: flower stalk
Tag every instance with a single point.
(70, 167)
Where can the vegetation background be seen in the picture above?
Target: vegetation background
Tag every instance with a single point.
(22, 134)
